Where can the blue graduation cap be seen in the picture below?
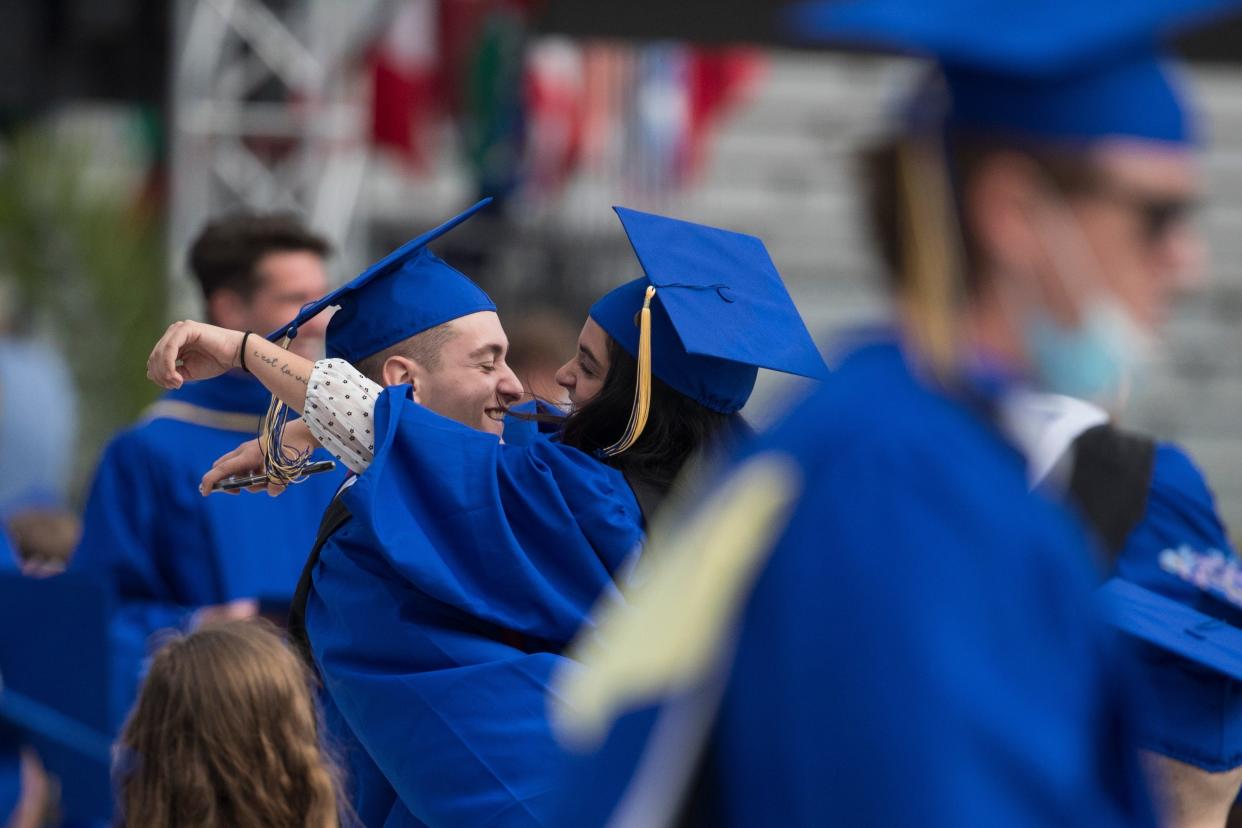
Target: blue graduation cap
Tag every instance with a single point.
(54, 684)
(409, 291)
(709, 311)
(1054, 70)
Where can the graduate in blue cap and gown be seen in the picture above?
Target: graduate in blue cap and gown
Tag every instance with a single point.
(168, 556)
(489, 555)
(872, 621)
(1175, 590)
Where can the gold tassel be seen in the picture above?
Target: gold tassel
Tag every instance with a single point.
(281, 466)
(642, 391)
(931, 258)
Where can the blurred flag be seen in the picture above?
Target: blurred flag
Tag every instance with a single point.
(493, 117)
(680, 95)
(405, 72)
(718, 79)
(659, 120)
(555, 98)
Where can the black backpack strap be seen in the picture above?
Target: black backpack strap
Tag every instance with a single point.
(1110, 481)
(334, 517)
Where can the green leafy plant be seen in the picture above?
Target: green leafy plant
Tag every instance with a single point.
(86, 265)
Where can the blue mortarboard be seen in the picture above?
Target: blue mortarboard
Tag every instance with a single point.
(1055, 70)
(405, 293)
(54, 683)
(719, 313)
(409, 291)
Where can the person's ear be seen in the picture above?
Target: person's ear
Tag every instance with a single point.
(228, 309)
(1001, 207)
(401, 370)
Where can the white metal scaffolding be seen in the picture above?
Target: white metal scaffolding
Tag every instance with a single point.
(268, 111)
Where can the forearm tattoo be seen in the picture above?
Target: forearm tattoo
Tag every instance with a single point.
(284, 367)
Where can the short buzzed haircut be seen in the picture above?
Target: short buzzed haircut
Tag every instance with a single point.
(227, 252)
(424, 348)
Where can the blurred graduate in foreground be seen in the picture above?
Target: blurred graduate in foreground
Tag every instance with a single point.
(872, 621)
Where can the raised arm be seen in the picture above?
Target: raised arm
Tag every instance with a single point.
(195, 351)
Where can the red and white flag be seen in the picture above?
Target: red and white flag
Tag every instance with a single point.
(405, 72)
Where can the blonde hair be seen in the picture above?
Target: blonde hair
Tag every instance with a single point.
(225, 732)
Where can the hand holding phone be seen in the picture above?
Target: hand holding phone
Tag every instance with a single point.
(235, 484)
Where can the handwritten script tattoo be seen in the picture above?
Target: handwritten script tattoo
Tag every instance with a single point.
(284, 368)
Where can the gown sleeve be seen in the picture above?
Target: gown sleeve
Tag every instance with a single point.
(525, 537)
(452, 711)
(340, 407)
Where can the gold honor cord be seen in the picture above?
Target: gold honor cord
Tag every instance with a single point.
(642, 390)
(931, 259)
(280, 466)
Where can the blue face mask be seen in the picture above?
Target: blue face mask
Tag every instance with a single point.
(1097, 359)
(1093, 361)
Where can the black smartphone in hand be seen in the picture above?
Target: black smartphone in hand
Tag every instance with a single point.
(233, 484)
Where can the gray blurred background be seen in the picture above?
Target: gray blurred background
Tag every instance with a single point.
(126, 124)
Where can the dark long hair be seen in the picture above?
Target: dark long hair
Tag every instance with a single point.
(677, 426)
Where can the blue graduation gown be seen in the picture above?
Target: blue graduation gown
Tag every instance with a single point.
(1180, 511)
(164, 549)
(920, 647)
(10, 743)
(1196, 711)
(8, 556)
(438, 612)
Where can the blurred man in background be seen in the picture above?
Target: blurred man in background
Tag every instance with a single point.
(171, 557)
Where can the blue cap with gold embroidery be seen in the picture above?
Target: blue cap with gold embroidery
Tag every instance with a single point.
(1055, 70)
(719, 311)
(405, 293)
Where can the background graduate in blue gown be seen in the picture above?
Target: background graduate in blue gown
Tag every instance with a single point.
(490, 555)
(1176, 591)
(899, 633)
(163, 551)
(10, 744)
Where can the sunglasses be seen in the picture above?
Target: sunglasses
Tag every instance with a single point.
(1158, 214)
